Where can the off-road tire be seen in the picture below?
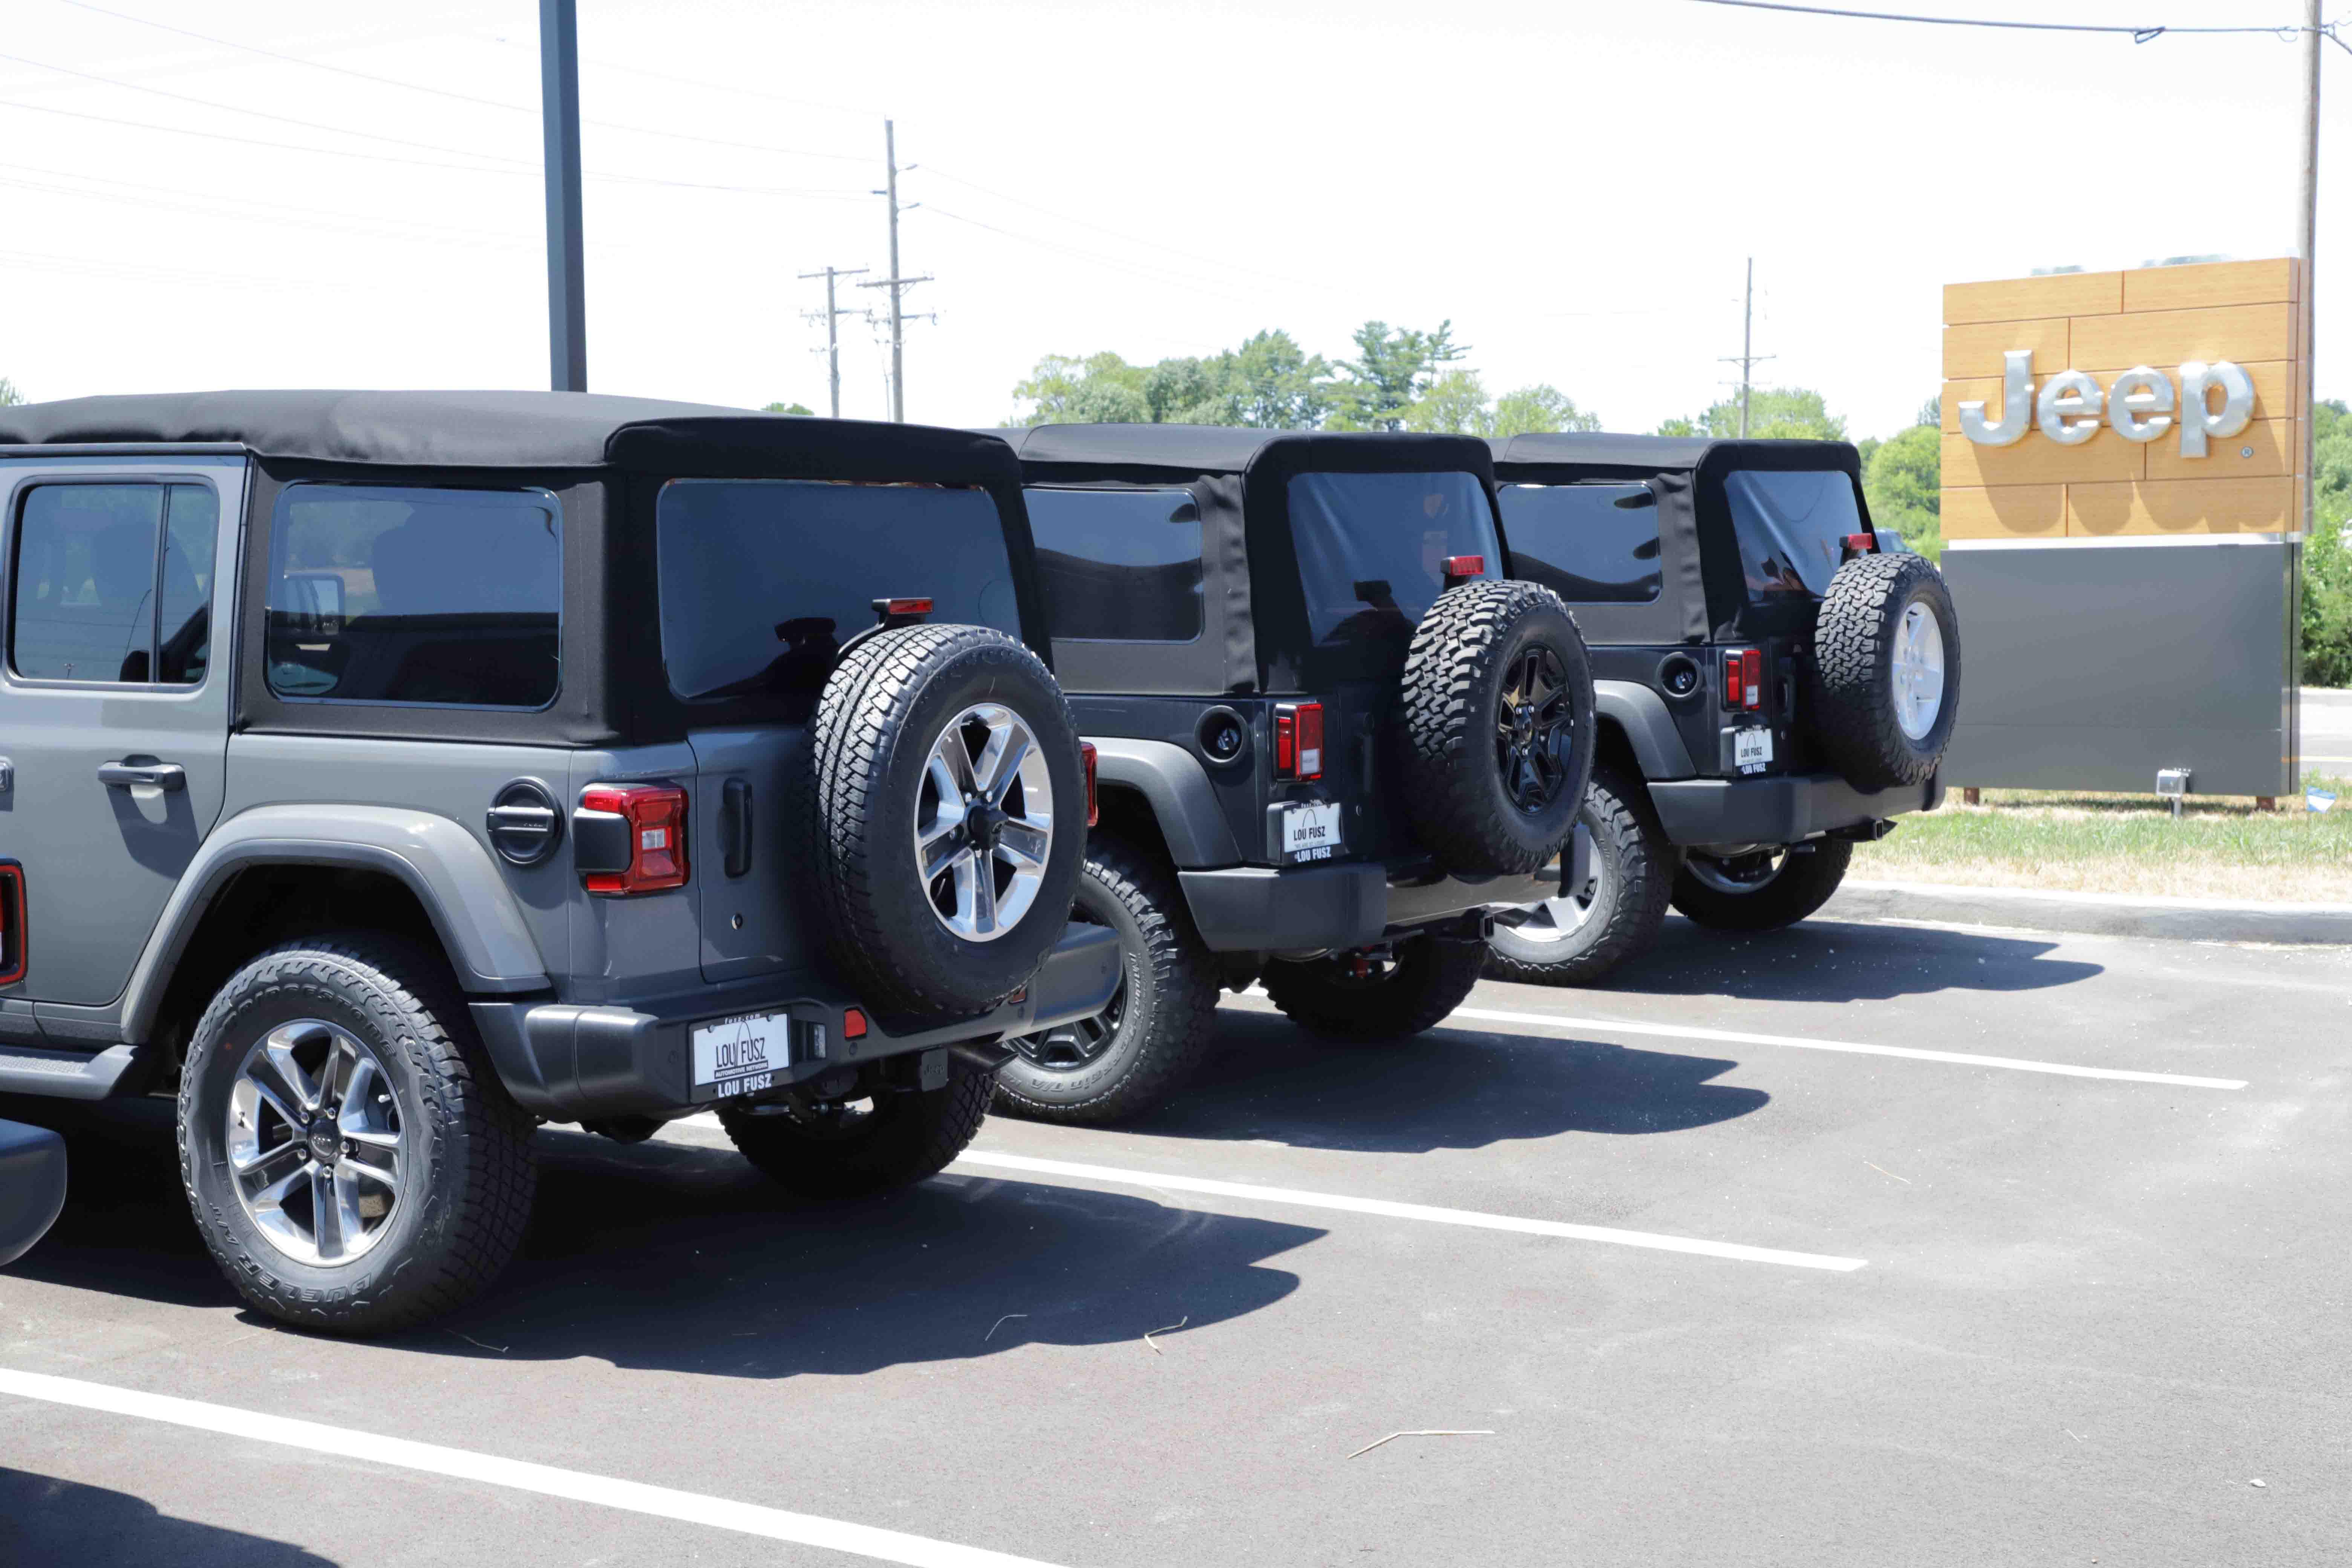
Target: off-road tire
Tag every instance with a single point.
(1853, 704)
(1635, 869)
(1430, 979)
(1167, 1007)
(469, 1174)
(1804, 884)
(911, 1134)
(1453, 674)
(855, 808)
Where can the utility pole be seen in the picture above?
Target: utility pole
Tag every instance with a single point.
(1747, 358)
(2306, 236)
(833, 314)
(894, 283)
(559, 105)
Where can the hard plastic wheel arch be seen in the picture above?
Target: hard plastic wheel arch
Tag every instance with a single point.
(1176, 787)
(1642, 717)
(471, 907)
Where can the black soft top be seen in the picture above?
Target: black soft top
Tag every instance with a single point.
(510, 430)
(1521, 457)
(1194, 449)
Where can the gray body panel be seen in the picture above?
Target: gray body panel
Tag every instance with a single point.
(1648, 727)
(2091, 666)
(750, 922)
(101, 862)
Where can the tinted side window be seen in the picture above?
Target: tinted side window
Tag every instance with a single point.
(1372, 548)
(113, 583)
(1591, 544)
(446, 596)
(1119, 565)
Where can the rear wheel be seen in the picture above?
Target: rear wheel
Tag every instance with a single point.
(1576, 938)
(1764, 889)
(850, 1147)
(1137, 1051)
(1378, 996)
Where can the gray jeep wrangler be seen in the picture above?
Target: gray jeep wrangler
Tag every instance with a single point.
(1774, 685)
(1335, 737)
(560, 759)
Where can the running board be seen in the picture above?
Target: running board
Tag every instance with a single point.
(65, 1075)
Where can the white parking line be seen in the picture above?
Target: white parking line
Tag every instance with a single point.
(989, 1159)
(1798, 1042)
(635, 1497)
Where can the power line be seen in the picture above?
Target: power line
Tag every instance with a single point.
(448, 92)
(2138, 35)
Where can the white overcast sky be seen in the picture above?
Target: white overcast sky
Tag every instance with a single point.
(1575, 183)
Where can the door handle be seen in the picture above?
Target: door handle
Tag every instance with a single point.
(165, 776)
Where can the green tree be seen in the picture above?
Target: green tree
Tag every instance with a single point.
(1538, 408)
(1774, 413)
(1272, 383)
(1394, 368)
(1456, 403)
(9, 395)
(788, 408)
(2327, 551)
(1905, 484)
(1099, 389)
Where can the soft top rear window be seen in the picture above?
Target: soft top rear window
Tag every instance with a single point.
(1589, 543)
(1371, 547)
(1791, 524)
(764, 580)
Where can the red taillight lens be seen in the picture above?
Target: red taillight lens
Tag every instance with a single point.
(1464, 565)
(915, 606)
(1861, 543)
(656, 815)
(1735, 679)
(853, 1024)
(1752, 664)
(1299, 740)
(1094, 808)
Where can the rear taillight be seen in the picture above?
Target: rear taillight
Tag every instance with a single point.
(12, 923)
(648, 853)
(1735, 679)
(1751, 668)
(1861, 543)
(1091, 757)
(1461, 569)
(1299, 740)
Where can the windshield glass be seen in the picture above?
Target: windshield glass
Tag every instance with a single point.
(1591, 544)
(1370, 547)
(762, 580)
(1793, 525)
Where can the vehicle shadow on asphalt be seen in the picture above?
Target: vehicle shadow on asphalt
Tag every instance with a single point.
(669, 1257)
(46, 1521)
(1449, 1088)
(1825, 961)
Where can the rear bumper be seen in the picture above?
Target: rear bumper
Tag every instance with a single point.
(1256, 908)
(1778, 810)
(570, 1063)
(32, 1186)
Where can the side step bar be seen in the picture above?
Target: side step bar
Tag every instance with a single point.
(64, 1075)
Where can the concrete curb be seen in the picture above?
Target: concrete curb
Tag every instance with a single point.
(2097, 914)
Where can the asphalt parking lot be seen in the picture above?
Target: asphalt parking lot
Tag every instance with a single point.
(1705, 1286)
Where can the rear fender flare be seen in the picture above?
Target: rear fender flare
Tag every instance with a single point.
(1175, 785)
(1642, 717)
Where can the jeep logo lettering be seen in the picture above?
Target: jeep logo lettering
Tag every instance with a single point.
(2139, 407)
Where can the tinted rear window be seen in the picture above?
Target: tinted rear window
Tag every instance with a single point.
(1793, 525)
(1591, 544)
(1370, 546)
(1119, 565)
(762, 580)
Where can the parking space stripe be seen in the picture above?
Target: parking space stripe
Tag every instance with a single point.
(607, 1492)
(1802, 1043)
(989, 1159)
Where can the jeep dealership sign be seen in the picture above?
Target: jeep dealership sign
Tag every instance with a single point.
(2138, 406)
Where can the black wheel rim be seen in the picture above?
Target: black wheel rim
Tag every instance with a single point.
(1533, 734)
(1074, 1046)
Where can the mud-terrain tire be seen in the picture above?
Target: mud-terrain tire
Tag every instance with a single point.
(883, 716)
(1633, 871)
(1880, 714)
(1489, 793)
(1801, 883)
(1142, 1048)
(1426, 980)
(908, 1134)
(459, 1146)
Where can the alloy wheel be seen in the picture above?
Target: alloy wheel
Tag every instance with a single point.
(984, 823)
(315, 1143)
(1532, 730)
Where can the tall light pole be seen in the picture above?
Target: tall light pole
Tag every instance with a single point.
(2307, 239)
(559, 104)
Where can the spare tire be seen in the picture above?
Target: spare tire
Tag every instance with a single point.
(944, 817)
(1886, 670)
(1498, 728)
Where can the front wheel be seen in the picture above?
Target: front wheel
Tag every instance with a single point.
(353, 1160)
(1764, 889)
(1369, 997)
(852, 1148)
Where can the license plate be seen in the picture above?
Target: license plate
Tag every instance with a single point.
(1751, 748)
(741, 1056)
(1310, 832)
